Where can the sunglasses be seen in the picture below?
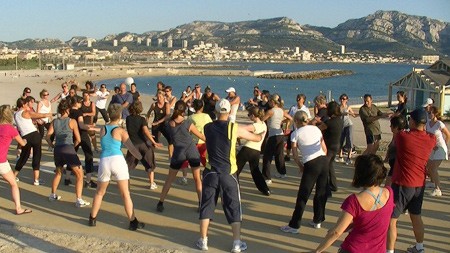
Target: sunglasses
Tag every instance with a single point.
(46, 94)
(344, 98)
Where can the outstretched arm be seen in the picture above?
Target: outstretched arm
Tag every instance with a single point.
(333, 234)
(245, 134)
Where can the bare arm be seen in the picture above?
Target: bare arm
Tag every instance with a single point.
(129, 145)
(333, 234)
(197, 133)
(296, 158)
(35, 115)
(22, 142)
(56, 98)
(81, 124)
(150, 137)
(50, 131)
(243, 133)
(267, 115)
(446, 134)
(149, 112)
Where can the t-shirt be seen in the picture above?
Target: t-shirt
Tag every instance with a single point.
(135, 95)
(436, 130)
(322, 113)
(332, 135)
(295, 109)
(373, 127)
(369, 232)
(199, 120)
(413, 150)
(134, 128)
(7, 133)
(221, 138)
(121, 99)
(308, 139)
(75, 114)
(101, 99)
(259, 128)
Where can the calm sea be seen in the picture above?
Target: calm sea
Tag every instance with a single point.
(367, 78)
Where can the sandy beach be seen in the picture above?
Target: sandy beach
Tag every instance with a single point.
(61, 227)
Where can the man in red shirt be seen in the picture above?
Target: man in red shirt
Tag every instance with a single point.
(408, 180)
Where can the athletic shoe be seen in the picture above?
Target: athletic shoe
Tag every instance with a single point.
(348, 161)
(202, 243)
(436, 193)
(160, 207)
(153, 186)
(67, 182)
(81, 203)
(430, 185)
(339, 159)
(54, 197)
(413, 249)
(268, 181)
(315, 225)
(38, 182)
(135, 224)
(288, 229)
(238, 246)
(92, 221)
(266, 192)
(183, 181)
(92, 184)
(277, 175)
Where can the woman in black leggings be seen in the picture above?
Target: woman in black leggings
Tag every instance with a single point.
(251, 150)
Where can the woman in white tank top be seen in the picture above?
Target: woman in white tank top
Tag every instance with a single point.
(44, 106)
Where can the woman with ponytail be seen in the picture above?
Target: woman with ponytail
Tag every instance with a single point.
(184, 149)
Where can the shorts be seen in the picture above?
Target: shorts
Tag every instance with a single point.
(371, 139)
(226, 185)
(407, 198)
(439, 154)
(190, 154)
(66, 155)
(112, 166)
(202, 150)
(5, 168)
(148, 157)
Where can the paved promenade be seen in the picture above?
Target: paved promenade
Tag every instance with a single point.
(61, 227)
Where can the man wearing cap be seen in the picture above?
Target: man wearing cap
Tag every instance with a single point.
(370, 114)
(427, 106)
(235, 101)
(413, 150)
(219, 175)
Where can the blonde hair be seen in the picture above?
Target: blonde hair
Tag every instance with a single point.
(6, 114)
(277, 100)
(41, 94)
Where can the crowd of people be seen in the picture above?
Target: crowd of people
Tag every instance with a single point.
(202, 133)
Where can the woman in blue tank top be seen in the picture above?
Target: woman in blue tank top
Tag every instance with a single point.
(112, 163)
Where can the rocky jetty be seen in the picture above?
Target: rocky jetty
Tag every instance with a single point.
(315, 74)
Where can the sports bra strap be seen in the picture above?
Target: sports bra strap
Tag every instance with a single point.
(377, 198)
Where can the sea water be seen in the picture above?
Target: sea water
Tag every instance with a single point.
(371, 79)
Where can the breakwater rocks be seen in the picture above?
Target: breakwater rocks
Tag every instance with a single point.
(315, 74)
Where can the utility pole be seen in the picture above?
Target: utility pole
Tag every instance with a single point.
(16, 61)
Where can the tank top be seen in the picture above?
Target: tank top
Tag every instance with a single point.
(45, 109)
(221, 141)
(159, 112)
(63, 133)
(180, 134)
(87, 109)
(110, 146)
(259, 128)
(25, 126)
(346, 117)
(209, 104)
(274, 122)
(64, 96)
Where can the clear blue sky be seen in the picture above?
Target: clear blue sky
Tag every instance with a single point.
(21, 19)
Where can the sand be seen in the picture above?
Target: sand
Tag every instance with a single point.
(60, 227)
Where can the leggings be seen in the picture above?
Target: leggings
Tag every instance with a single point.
(86, 146)
(274, 147)
(104, 114)
(315, 173)
(34, 141)
(251, 156)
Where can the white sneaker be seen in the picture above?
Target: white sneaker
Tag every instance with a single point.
(153, 186)
(54, 197)
(268, 181)
(81, 203)
(288, 229)
(339, 159)
(436, 193)
(202, 243)
(183, 181)
(38, 182)
(348, 161)
(277, 175)
(315, 225)
(239, 246)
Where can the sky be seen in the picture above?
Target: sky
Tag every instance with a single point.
(97, 18)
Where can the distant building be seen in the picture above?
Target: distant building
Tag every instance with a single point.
(148, 42)
(297, 50)
(306, 56)
(169, 42)
(342, 49)
(89, 43)
(430, 58)
(185, 43)
(115, 43)
(138, 41)
(159, 42)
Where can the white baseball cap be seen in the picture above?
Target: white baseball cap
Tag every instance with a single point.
(223, 106)
(231, 89)
(428, 102)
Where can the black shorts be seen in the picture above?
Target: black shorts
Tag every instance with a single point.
(407, 198)
(66, 155)
(226, 185)
(148, 157)
(180, 155)
(371, 139)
